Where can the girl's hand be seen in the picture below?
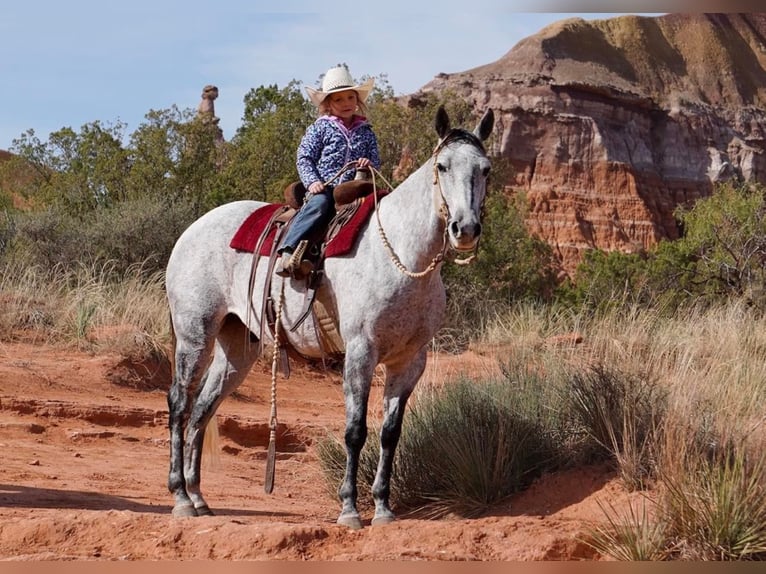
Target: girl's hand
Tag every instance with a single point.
(362, 162)
(316, 187)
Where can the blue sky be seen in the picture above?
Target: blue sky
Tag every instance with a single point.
(68, 63)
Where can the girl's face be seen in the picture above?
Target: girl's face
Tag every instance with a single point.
(343, 104)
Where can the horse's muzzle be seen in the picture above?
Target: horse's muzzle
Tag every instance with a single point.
(463, 236)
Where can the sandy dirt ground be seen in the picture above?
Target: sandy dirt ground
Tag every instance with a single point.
(85, 460)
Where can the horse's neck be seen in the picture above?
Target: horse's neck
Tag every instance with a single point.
(410, 220)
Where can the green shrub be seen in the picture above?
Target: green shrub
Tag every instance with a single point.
(137, 232)
(727, 233)
(720, 255)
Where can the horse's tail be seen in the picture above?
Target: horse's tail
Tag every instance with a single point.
(172, 353)
(210, 450)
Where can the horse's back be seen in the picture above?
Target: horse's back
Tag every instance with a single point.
(199, 269)
(215, 227)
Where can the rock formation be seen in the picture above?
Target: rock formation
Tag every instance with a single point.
(611, 124)
(206, 109)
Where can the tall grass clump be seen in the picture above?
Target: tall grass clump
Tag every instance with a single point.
(92, 307)
(717, 510)
(713, 494)
(470, 444)
(465, 446)
(711, 506)
(623, 415)
(632, 535)
(674, 396)
(28, 302)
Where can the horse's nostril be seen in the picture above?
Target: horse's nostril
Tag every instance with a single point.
(471, 229)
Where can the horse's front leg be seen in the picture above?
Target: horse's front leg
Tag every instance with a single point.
(357, 376)
(399, 385)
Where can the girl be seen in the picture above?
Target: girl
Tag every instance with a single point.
(339, 136)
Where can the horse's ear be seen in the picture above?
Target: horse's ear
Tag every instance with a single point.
(442, 122)
(484, 128)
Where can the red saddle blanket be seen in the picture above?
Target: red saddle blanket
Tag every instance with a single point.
(248, 233)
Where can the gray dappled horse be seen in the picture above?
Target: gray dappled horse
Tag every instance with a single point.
(387, 310)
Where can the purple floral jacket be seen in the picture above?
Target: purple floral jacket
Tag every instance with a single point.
(328, 145)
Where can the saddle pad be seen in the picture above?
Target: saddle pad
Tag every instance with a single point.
(248, 233)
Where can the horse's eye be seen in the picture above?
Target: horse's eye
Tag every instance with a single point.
(441, 167)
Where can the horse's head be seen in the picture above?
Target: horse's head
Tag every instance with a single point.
(461, 168)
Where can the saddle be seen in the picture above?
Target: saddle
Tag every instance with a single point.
(262, 233)
(311, 251)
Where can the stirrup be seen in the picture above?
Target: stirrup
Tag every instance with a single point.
(292, 264)
(295, 260)
(298, 267)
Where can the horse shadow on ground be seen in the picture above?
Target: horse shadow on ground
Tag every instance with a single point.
(14, 496)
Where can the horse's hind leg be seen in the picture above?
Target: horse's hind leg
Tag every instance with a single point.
(399, 385)
(233, 356)
(191, 356)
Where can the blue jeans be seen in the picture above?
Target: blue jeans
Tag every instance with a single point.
(313, 215)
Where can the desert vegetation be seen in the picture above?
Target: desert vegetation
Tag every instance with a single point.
(651, 361)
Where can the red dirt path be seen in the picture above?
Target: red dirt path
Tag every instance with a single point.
(85, 460)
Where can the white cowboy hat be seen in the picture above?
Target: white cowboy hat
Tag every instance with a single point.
(337, 80)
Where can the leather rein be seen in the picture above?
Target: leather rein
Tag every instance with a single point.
(442, 209)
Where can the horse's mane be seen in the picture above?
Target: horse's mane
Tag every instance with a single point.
(462, 135)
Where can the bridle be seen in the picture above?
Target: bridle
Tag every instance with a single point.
(442, 209)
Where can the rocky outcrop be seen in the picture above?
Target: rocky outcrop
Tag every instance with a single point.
(610, 125)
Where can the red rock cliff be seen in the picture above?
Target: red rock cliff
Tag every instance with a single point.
(611, 124)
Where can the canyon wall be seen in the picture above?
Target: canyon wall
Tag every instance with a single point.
(610, 125)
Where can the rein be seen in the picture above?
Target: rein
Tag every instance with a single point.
(438, 258)
(442, 210)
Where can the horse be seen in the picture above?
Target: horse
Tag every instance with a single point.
(387, 311)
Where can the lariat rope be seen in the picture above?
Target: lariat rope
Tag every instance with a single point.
(438, 258)
(271, 456)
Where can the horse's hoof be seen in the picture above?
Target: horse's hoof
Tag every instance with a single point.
(184, 510)
(204, 510)
(383, 519)
(350, 520)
